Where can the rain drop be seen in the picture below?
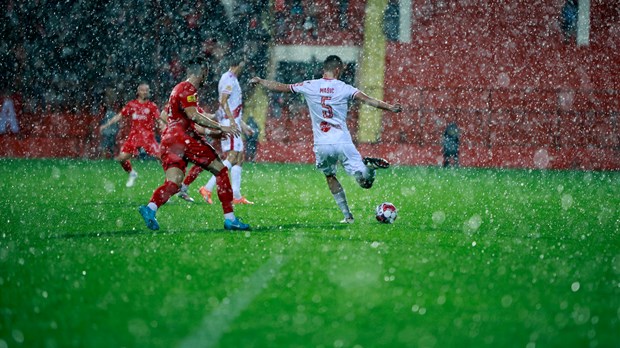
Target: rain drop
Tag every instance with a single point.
(541, 159)
(567, 201)
(506, 301)
(439, 217)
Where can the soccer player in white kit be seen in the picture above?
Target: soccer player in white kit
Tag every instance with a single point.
(327, 99)
(230, 113)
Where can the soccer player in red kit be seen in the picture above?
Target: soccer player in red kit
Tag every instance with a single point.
(144, 115)
(193, 173)
(181, 144)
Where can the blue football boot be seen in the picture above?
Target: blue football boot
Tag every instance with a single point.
(149, 217)
(235, 225)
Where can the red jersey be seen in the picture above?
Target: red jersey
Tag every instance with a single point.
(180, 144)
(183, 95)
(143, 118)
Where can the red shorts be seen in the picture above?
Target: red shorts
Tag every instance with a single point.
(131, 145)
(179, 148)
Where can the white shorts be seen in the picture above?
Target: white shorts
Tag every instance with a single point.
(328, 156)
(231, 143)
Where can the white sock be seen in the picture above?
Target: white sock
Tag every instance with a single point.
(229, 216)
(184, 188)
(211, 183)
(152, 206)
(235, 181)
(133, 173)
(341, 200)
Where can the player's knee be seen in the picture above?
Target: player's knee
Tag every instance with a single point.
(221, 172)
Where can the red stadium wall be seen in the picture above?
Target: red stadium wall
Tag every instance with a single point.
(54, 135)
(502, 71)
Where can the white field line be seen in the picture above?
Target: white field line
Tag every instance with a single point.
(213, 325)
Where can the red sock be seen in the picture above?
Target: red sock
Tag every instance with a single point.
(126, 165)
(163, 193)
(192, 175)
(224, 190)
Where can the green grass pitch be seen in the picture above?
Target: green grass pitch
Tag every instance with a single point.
(477, 257)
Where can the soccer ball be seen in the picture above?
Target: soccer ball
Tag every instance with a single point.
(386, 213)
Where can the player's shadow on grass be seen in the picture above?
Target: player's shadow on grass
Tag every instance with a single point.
(99, 234)
(297, 226)
(306, 227)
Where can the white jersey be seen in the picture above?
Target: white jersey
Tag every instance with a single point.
(229, 85)
(328, 101)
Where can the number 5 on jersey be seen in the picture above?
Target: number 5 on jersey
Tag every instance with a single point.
(327, 109)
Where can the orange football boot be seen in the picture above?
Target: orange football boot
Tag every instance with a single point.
(242, 200)
(206, 194)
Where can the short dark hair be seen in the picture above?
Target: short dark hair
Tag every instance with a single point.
(236, 60)
(196, 64)
(332, 62)
(140, 84)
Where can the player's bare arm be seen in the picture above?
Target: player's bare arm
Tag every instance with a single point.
(162, 121)
(206, 120)
(207, 131)
(379, 104)
(163, 115)
(271, 85)
(226, 107)
(112, 121)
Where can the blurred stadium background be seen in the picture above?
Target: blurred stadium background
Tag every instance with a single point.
(528, 86)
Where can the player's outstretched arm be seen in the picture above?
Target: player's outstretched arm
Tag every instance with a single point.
(274, 86)
(206, 120)
(379, 104)
(208, 131)
(162, 121)
(200, 118)
(112, 121)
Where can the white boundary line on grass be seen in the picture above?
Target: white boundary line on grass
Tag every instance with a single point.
(210, 331)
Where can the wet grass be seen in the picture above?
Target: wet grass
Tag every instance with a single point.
(477, 257)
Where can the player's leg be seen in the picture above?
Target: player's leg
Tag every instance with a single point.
(326, 157)
(189, 179)
(235, 174)
(206, 157)
(206, 191)
(151, 147)
(174, 164)
(3, 123)
(123, 158)
(236, 159)
(161, 195)
(354, 165)
(340, 197)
